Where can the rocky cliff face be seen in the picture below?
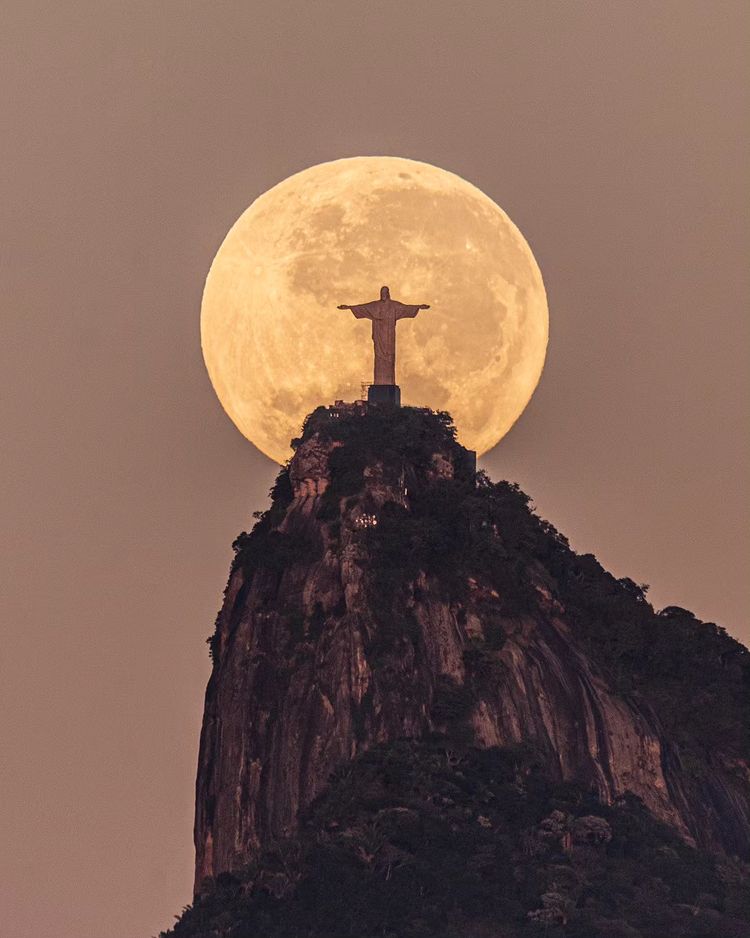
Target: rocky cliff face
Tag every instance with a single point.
(388, 593)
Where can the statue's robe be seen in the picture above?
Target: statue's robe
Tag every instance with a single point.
(384, 315)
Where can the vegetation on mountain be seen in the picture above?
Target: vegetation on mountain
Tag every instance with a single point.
(694, 675)
(418, 839)
(436, 838)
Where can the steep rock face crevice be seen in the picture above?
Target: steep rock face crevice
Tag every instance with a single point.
(335, 637)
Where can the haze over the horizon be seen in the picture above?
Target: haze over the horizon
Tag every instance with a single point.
(615, 135)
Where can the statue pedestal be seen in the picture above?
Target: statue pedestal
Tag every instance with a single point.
(384, 394)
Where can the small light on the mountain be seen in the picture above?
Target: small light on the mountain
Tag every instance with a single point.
(366, 521)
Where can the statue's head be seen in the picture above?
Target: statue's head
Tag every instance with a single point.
(385, 293)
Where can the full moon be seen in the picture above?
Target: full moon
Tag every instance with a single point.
(276, 346)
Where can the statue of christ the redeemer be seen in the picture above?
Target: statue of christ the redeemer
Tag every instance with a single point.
(384, 314)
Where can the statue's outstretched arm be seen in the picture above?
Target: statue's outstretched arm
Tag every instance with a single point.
(405, 311)
(360, 312)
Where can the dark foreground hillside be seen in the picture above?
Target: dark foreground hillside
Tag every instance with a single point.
(429, 716)
(417, 839)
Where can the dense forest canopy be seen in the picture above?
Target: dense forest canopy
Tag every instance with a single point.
(419, 840)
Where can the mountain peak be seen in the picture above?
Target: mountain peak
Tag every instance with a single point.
(390, 592)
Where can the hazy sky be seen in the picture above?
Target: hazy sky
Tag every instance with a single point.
(133, 134)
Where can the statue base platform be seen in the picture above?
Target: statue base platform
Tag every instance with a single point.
(384, 394)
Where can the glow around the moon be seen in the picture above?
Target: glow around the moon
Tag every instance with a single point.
(276, 346)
